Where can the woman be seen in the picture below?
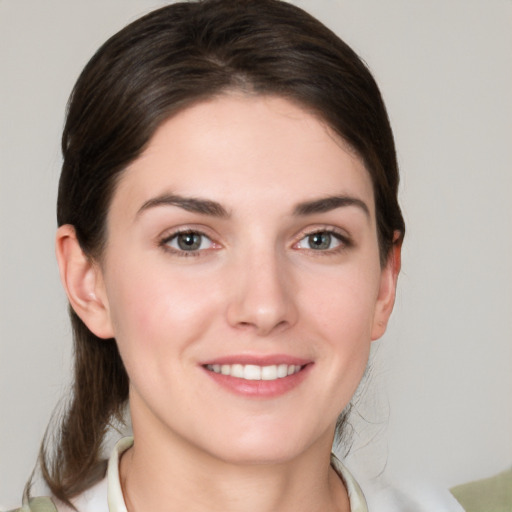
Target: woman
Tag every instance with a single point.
(229, 241)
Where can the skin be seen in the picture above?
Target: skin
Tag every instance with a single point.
(257, 286)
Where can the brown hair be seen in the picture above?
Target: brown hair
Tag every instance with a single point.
(154, 67)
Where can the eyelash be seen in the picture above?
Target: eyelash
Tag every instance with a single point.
(344, 242)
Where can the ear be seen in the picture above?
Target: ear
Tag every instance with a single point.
(387, 289)
(83, 281)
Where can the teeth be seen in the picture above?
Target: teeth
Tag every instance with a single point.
(269, 373)
(237, 370)
(254, 372)
(282, 371)
(250, 372)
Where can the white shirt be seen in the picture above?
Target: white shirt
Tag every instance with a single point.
(107, 495)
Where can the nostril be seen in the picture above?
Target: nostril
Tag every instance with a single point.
(281, 324)
(261, 308)
(262, 328)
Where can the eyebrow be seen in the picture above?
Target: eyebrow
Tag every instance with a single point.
(190, 204)
(329, 203)
(215, 209)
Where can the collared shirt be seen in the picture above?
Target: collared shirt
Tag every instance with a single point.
(107, 495)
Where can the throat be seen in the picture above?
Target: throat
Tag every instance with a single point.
(258, 488)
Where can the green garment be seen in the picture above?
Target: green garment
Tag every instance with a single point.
(38, 505)
(488, 495)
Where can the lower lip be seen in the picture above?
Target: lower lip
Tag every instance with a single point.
(260, 388)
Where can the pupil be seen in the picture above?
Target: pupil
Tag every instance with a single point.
(320, 241)
(189, 241)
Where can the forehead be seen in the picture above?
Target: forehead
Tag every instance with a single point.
(238, 148)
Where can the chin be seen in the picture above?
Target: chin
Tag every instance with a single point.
(268, 446)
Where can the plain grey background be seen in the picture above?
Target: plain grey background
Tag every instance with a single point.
(438, 403)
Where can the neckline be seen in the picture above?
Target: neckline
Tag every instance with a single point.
(116, 501)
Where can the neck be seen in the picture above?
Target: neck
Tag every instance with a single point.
(162, 474)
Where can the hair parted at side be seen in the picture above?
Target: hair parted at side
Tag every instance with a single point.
(156, 66)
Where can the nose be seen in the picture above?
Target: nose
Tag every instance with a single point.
(262, 297)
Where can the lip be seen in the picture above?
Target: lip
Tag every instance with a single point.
(262, 389)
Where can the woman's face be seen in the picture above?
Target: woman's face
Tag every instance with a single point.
(242, 279)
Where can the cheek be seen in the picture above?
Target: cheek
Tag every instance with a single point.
(344, 302)
(342, 310)
(157, 310)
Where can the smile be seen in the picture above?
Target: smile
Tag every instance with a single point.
(255, 372)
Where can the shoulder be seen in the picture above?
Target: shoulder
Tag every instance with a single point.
(41, 504)
(383, 494)
(390, 493)
(418, 497)
(92, 500)
(488, 495)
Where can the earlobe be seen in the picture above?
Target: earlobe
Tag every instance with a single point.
(83, 282)
(387, 290)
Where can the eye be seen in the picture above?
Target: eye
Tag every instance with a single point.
(188, 241)
(321, 241)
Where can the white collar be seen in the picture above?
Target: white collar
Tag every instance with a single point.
(114, 492)
(116, 501)
(355, 493)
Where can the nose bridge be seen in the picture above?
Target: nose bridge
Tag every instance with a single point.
(262, 297)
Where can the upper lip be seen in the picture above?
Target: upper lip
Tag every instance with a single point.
(258, 360)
